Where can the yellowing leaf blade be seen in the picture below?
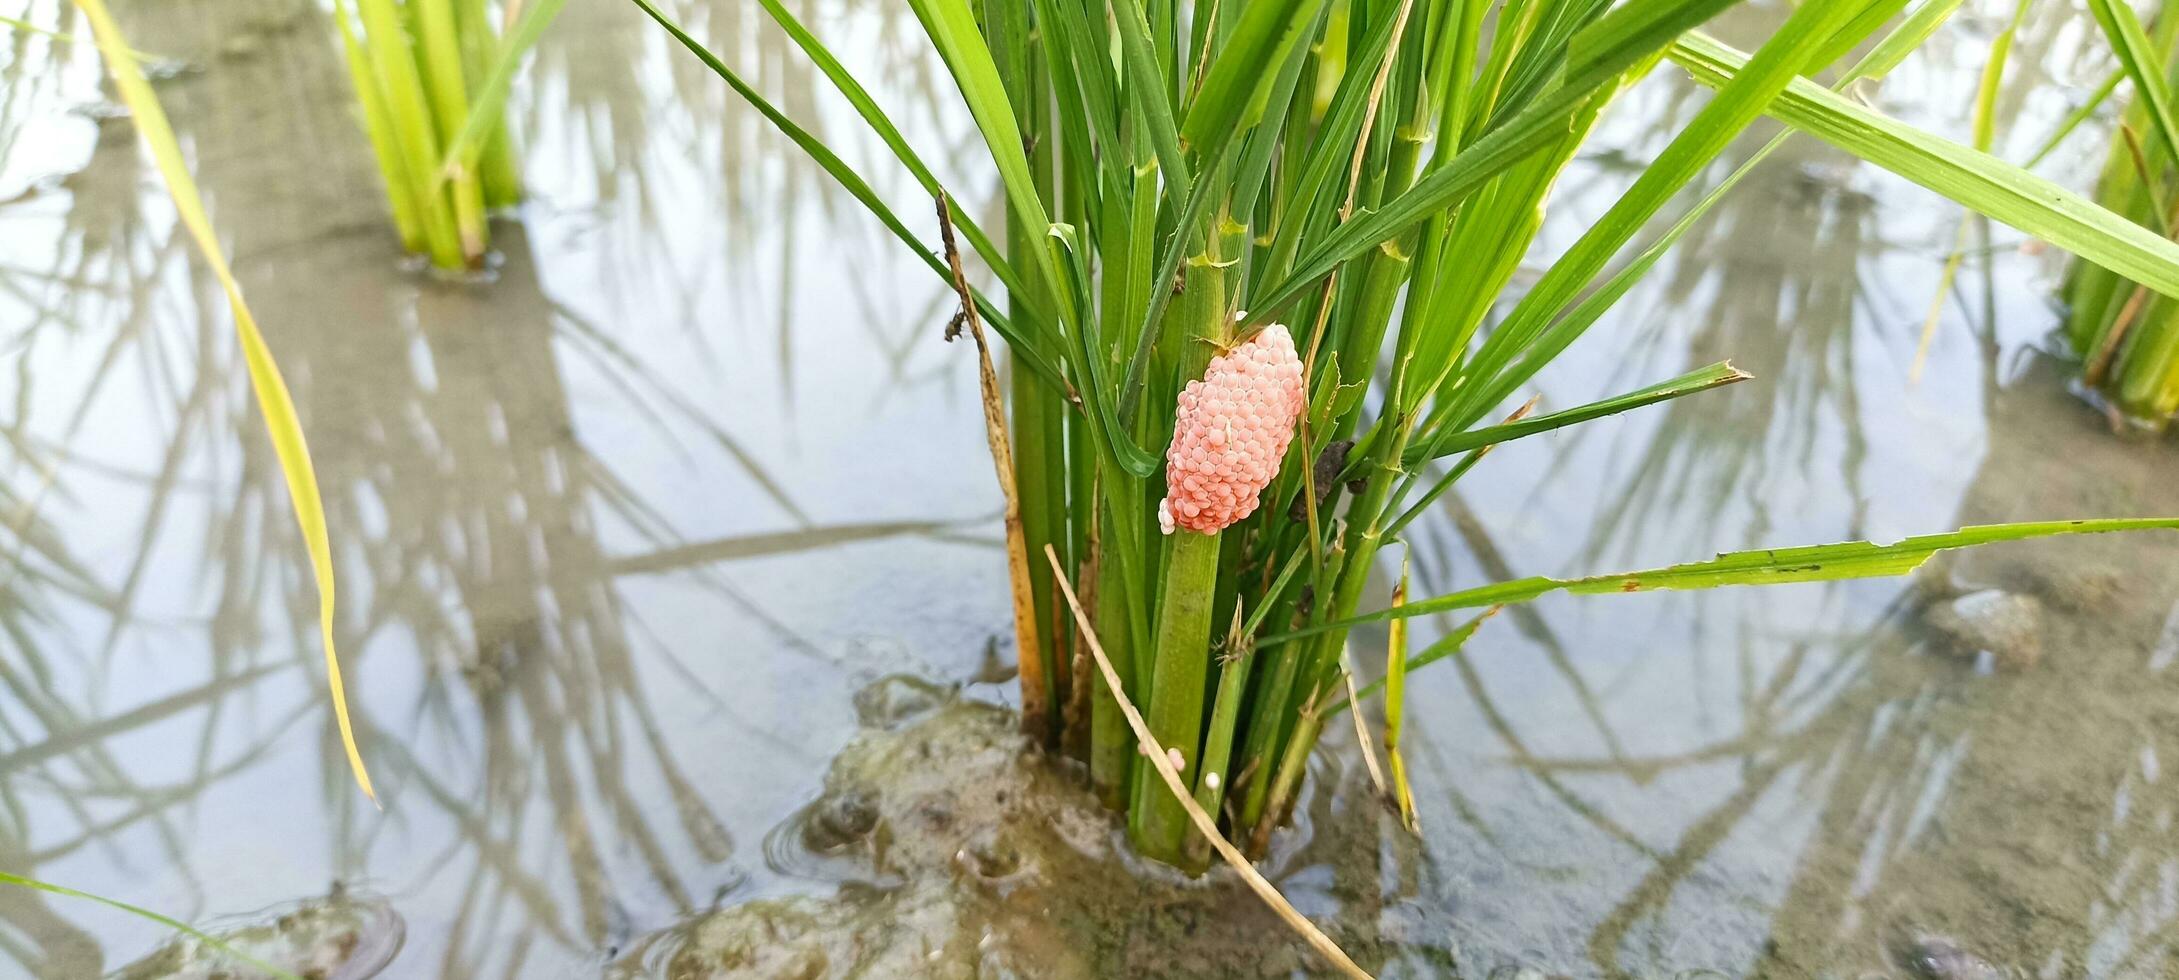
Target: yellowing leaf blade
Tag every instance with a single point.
(281, 423)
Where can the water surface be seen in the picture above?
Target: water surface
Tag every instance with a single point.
(623, 529)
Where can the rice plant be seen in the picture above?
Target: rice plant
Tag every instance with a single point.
(431, 79)
(1269, 238)
(2126, 335)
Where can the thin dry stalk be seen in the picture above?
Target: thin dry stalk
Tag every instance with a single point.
(1361, 732)
(2100, 363)
(1369, 109)
(1203, 823)
(1035, 709)
(1074, 734)
(1203, 56)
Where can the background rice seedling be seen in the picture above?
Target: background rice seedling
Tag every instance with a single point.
(431, 79)
(1177, 176)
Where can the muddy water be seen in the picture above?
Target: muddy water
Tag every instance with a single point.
(624, 530)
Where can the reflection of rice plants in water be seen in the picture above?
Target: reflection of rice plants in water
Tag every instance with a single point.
(625, 138)
(1813, 311)
(476, 493)
(1174, 183)
(1790, 306)
(2015, 815)
(48, 709)
(450, 471)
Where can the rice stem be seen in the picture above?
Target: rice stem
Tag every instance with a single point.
(1181, 648)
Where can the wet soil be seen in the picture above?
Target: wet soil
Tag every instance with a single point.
(962, 852)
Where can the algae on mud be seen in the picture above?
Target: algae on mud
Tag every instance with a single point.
(972, 853)
(337, 937)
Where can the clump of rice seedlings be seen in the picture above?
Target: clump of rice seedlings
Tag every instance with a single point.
(431, 79)
(2126, 335)
(1252, 255)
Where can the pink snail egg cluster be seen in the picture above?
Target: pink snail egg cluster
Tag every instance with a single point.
(1230, 433)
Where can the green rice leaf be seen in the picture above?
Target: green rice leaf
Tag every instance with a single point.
(1980, 181)
(1145, 90)
(273, 400)
(1212, 154)
(1617, 41)
(1993, 76)
(1701, 379)
(1573, 323)
(1895, 47)
(1234, 92)
(1028, 348)
(1527, 132)
(1085, 71)
(1608, 48)
(1453, 475)
(1770, 566)
(1310, 208)
(1189, 229)
(2138, 57)
(1779, 62)
(1864, 24)
(952, 29)
(1576, 321)
(490, 100)
(880, 123)
(1476, 441)
(379, 126)
(1252, 176)
(2079, 115)
(401, 85)
(19, 24)
(1446, 646)
(1095, 391)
